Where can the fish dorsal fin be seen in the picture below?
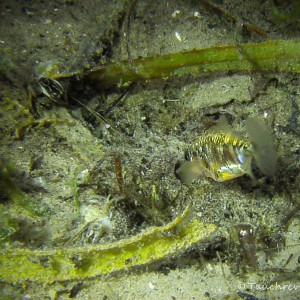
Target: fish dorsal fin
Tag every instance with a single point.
(223, 127)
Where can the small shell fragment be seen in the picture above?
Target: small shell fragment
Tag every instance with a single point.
(175, 13)
(151, 286)
(178, 37)
(197, 14)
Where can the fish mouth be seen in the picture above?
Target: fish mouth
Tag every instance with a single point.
(177, 165)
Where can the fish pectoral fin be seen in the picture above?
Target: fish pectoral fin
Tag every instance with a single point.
(188, 171)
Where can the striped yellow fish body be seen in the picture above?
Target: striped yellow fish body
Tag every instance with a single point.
(222, 155)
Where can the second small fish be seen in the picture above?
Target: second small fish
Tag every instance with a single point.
(222, 155)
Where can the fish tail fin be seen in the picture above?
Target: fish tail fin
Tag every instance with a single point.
(262, 141)
(188, 171)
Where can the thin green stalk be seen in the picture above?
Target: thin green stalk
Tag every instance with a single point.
(273, 55)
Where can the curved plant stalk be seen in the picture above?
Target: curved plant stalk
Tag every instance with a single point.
(17, 265)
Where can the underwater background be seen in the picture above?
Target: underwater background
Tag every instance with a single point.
(99, 101)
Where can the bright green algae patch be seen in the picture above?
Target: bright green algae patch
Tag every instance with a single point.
(76, 263)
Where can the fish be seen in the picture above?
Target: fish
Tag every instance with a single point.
(221, 154)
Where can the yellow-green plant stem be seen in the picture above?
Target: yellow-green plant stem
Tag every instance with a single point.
(272, 55)
(18, 265)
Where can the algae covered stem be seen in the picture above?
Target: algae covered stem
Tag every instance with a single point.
(272, 55)
(83, 262)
